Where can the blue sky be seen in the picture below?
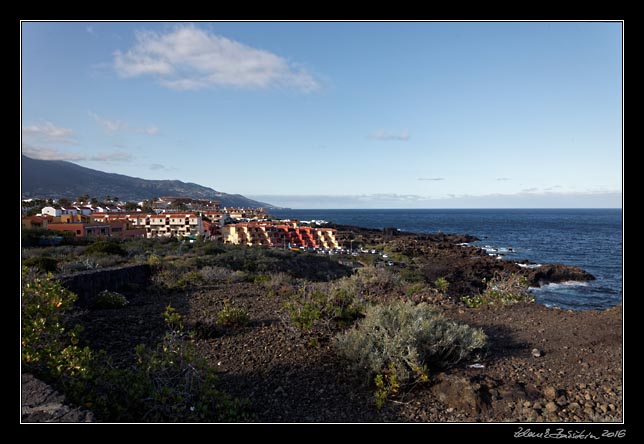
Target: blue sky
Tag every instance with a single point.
(336, 115)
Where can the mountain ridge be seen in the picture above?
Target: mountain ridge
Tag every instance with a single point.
(63, 179)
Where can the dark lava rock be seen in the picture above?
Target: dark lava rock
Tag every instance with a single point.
(459, 393)
(41, 403)
(553, 273)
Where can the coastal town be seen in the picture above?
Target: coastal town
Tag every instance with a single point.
(180, 217)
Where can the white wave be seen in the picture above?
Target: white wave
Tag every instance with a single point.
(556, 285)
(529, 265)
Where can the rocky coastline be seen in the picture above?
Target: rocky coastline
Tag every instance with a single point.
(542, 365)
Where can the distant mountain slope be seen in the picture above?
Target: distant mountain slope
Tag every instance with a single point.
(58, 178)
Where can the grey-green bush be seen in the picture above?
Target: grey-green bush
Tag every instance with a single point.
(110, 299)
(407, 339)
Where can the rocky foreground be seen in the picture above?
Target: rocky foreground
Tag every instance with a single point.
(542, 365)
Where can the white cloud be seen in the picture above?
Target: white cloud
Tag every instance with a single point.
(386, 135)
(151, 130)
(502, 179)
(435, 179)
(109, 125)
(48, 132)
(158, 167)
(45, 153)
(112, 126)
(587, 199)
(189, 58)
(391, 197)
(118, 156)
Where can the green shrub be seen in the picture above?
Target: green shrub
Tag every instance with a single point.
(386, 386)
(154, 261)
(172, 318)
(213, 248)
(303, 314)
(78, 265)
(261, 279)
(371, 284)
(45, 264)
(106, 247)
(190, 279)
(280, 284)
(323, 302)
(403, 340)
(110, 299)
(502, 289)
(216, 274)
(265, 260)
(232, 316)
(49, 349)
(168, 383)
(412, 275)
(412, 289)
(441, 284)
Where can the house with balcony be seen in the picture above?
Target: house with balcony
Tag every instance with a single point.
(168, 224)
(282, 235)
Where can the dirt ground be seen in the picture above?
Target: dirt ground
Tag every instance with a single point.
(543, 364)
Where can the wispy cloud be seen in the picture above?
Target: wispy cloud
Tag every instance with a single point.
(46, 153)
(159, 167)
(118, 156)
(587, 199)
(436, 179)
(112, 126)
(48, 132)
(502, 178)
(189, 58)
(386, 135)
(90, 30)
(391, 196)
(530, 190)
(109, 125)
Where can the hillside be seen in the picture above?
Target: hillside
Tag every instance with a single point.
(57, 178)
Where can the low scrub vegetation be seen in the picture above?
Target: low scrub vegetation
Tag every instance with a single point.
(50, 349)
(322, 303)
(106, 247)
(232, 316)
(166, 383)
(110, 299)
(42, 263)
(398, 343)
(501, 290)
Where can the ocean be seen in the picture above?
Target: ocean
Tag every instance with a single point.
(589, 238)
